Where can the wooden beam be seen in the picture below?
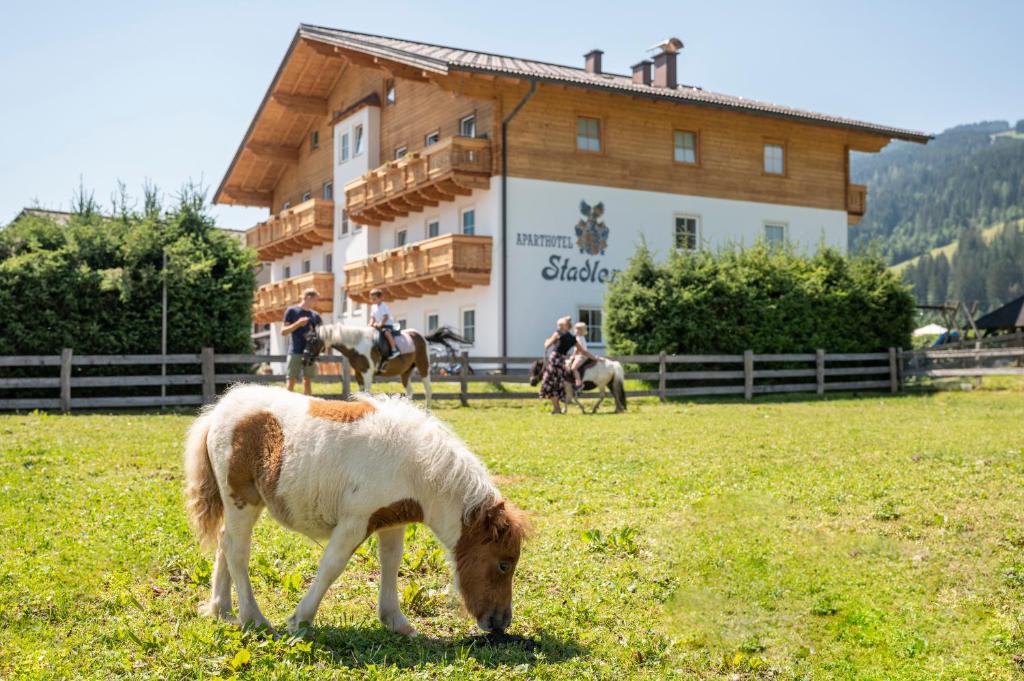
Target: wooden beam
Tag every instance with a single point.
(301, 104)
(275, 152)
(323, 49)
(247, 197)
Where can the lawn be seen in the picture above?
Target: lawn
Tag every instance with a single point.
(849, 537)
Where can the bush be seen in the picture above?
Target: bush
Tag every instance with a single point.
(94, 284)
(768, 301)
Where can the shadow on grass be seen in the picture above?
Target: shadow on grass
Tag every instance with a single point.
(360, 646)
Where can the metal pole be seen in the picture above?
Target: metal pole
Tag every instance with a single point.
(163, 327)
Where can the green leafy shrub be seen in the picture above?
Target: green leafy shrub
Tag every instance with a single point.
(760, 299)
(94, 284)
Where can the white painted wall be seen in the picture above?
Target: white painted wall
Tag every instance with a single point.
(552, 208)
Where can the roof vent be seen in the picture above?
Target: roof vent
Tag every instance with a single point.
(665, 63)
(593, 61)
(642, 72)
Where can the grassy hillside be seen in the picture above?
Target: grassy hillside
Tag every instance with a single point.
(922, 196)
(949, 250)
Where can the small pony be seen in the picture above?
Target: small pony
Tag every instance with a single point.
(341, 471)
(604, 374)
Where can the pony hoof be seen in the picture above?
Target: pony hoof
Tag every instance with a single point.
(295, 625)
(215, 610)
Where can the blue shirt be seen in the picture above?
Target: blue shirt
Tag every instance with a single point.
(292, 315)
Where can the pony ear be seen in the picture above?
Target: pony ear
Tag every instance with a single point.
(504, 520)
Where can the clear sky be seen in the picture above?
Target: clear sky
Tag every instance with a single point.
(165, 90)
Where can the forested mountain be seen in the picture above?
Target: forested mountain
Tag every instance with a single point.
(990, 272)
(923, 196)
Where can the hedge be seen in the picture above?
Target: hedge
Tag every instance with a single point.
(761, 299)
(94, 284)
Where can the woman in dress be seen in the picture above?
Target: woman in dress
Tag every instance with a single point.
(561, 342)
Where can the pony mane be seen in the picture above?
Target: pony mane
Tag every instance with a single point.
(443, 459)
(339, 334)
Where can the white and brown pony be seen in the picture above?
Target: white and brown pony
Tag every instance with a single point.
(341, 471)
(359, 345)
(604, 374)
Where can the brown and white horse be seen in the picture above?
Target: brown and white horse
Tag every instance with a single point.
(604, 374)
(358, 344)
(341, 471)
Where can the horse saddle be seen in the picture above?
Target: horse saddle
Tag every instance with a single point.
(403, 341)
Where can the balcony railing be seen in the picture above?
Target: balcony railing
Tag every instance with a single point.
(294, 229)
(271, 300)
(856, 202)
(443, 263)
(456, 166)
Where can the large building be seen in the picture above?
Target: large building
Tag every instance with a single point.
(495, 194)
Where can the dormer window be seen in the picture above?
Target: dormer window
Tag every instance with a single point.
(314, 139)
(774, 159)
(467, 126)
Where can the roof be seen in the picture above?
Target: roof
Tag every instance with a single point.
(1009, 316)
(61, 217)
(442, 59)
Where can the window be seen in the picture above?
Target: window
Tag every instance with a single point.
(401, 324)
(432, 139)
(329, 191)
(328, 262)
(306, 266)
(774, 235)
(469, 326)
(344, 302)
(343, 148)
(400, 237)
(775, 159)
(593, 317)
(286, 205)
(357, 140)
(357, 307)
(433, 228)
(400, 152)
(389, 91)
(314, 139)
(685, 147)
(343, 227)
(433, 321)
(687, 233)
(287, 271)
(469, 221)
(588, 134)
(467, 126)
(306, 196)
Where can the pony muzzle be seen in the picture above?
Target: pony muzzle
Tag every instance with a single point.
(497, 620)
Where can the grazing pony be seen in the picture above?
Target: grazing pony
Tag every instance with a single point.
(603, 373)
(341, 471)
(359, 345)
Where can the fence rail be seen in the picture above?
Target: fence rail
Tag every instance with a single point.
(667, 375)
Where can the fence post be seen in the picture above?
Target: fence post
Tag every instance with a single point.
(65, 379)
(463, 375)
(900, 379)
(819, 370)
(894, 372)
(661, 376)
(748, 374)
(346, 378)
(209, 381)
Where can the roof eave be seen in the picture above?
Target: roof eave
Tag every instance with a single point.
(256, 116)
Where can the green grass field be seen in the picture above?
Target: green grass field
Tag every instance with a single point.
(870, 537)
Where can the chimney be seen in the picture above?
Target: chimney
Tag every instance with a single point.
(642, 72)
(593, 61)
(665, 63)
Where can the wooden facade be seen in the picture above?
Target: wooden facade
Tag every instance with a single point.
(454, 166)
(271, 300)
(443, 263)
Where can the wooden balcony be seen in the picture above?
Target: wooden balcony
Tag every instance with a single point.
(444, 263)
(271, 300)
(294, 229)
(856, 202)
(455, 166)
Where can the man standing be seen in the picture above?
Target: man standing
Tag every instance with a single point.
(296, 319)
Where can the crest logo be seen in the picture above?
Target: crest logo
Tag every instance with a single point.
(591, 232)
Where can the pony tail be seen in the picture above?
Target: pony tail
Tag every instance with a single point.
(203, 503)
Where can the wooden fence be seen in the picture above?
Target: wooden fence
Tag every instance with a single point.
(666, 375)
